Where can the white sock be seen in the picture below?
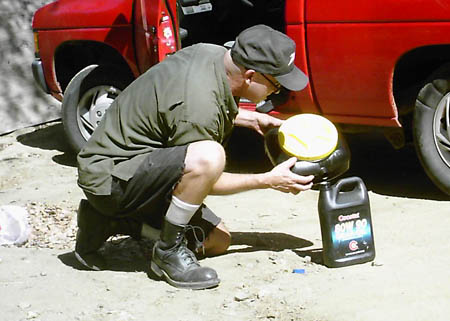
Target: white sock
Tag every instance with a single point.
(180, 212)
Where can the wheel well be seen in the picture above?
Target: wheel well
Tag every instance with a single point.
(73, 56)
(412, 71)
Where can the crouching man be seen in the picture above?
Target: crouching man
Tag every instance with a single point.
(158, 153)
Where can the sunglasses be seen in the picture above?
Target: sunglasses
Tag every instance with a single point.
(276, 85)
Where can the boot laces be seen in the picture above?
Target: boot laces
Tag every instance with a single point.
(199, 243)
(187, 254)
(181, 243)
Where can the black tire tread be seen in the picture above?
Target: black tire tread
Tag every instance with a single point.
(427, 101)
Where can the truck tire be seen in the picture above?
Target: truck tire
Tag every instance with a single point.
(432, 128)
(86, 99)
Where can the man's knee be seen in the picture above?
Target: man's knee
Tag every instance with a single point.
(205, 157)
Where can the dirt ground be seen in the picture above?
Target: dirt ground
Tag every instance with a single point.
(273, 233)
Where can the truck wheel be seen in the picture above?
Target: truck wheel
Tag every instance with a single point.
(432, 128)
(86, 99)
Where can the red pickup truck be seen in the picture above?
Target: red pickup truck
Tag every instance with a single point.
(372, 64)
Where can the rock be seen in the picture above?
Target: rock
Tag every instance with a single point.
(32, 315)
(24, 305)
(242, 296)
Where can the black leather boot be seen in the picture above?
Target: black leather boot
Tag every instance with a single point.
(94, 229)
(172, 259)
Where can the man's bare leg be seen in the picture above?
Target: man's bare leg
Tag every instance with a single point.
(204, 163)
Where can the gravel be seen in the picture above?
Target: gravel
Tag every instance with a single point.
(52, 226)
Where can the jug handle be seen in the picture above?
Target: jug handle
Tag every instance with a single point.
(355, 182)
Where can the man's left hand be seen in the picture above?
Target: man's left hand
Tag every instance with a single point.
(257, 121)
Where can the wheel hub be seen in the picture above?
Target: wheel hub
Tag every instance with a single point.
(92, 107)
(99, 107)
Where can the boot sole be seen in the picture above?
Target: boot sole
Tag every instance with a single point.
(183, 285)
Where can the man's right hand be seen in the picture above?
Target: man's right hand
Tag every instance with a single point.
(282, 179)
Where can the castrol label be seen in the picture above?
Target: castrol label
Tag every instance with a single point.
(350, 235)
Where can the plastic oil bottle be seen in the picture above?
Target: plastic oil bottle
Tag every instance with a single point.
(344, 209)
(345, 222)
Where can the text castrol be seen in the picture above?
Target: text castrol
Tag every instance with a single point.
(346, 225)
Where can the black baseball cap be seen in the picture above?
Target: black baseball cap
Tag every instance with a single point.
(270, 52)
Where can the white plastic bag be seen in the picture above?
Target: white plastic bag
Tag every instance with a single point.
(14, 227)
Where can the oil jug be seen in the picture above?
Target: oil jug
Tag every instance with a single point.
(345, 222)
(344, 208)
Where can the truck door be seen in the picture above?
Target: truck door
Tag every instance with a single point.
(155, 31)
(352, 52)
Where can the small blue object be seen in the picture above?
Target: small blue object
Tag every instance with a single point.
(298, 271)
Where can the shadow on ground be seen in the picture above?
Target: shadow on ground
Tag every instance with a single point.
(270, 241)
(384, 170)
(51, 137)
(316, 255)
(126, 255)
(388, 171)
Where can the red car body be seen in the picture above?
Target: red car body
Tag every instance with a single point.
(366, 60)
(136, 36)
(351, 51)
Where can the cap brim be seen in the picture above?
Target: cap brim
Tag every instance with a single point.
(295, 80)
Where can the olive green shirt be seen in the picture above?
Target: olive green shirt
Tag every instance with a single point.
(183, 99)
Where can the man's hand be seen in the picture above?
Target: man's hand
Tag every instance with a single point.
(266, 122)
(282, 179)
(256, 121)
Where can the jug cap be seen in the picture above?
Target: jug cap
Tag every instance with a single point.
(308, 137)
